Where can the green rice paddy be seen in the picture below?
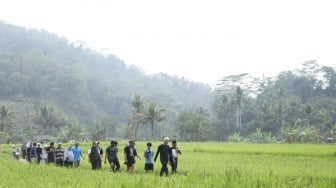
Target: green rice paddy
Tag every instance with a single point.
(202, 165)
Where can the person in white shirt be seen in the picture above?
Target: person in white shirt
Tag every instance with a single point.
(175, 152)
(16, 152)
(69, 157)
(44, 154)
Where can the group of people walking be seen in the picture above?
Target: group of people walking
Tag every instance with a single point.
(35, 153)
(70, 157)
(168, 155)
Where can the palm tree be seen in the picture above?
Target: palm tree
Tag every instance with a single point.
(137, 116)
(48, 118)
(264, 112)
(6, 118)
(202, 124)
(280, 107)
(98, 132)
(238, 99)
(221, 106)
(74, 131)
(154, 114)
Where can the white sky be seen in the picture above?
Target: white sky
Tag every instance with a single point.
(201, 40)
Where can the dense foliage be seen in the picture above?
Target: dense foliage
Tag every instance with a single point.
(296, 105)
(50, 86)
(39, 70)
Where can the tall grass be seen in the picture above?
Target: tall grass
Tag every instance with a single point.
(201, 165)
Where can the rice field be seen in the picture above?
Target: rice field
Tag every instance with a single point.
(202, 165)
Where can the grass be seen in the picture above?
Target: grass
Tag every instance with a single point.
(311, 150)
(202, 165)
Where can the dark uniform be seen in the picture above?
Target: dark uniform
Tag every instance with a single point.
(94, 158)
(165, 154)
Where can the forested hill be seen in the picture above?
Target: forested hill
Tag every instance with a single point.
(40, 68)
(49, 84)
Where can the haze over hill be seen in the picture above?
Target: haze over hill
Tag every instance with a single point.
(37, 67)
(70, 91)
(201, 40)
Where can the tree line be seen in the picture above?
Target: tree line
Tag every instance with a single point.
(39, 69)
(299, 104)
(52, 86)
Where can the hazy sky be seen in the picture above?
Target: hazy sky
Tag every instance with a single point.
(201, 40)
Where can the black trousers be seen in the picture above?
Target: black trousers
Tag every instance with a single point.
(59, 162)
(95, 164)
(99, 163)
(117, 164)
(174, 165)
(68, 163)
(164, 168)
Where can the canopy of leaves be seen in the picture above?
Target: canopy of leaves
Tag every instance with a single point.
(38, 68)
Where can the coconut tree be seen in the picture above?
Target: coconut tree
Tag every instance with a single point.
(97, 132)
(154, 114)
(333, 132)
(309, 113)
(6, 118)
(74, 131)
(137, 116)
(49, 119)
(238, 99)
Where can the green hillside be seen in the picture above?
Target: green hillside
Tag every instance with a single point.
(38, 68)
(50, 86)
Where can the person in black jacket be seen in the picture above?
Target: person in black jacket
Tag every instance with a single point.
(130, 153)
(94, 156)
(101, 153)
(165, 154)
(39, 153)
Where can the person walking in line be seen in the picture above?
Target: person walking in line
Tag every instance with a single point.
(112, 156)
(174, 159)
(33, 154)
(101, 154)
(39, 151)
(149, 155)
(94, 156)
(44, 154)
(51, 153)
(116, 159)
(130, 153)
(16, 152)
(77, 154)
(24, 151)
(59, 153)
(28, 151)
(165, 154)
(69, 157)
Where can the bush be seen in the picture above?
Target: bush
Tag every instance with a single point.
(4, 137)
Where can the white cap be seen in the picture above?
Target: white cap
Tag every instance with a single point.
(59, 142)
(166, 139)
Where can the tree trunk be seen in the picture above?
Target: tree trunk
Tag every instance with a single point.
(152, 125)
